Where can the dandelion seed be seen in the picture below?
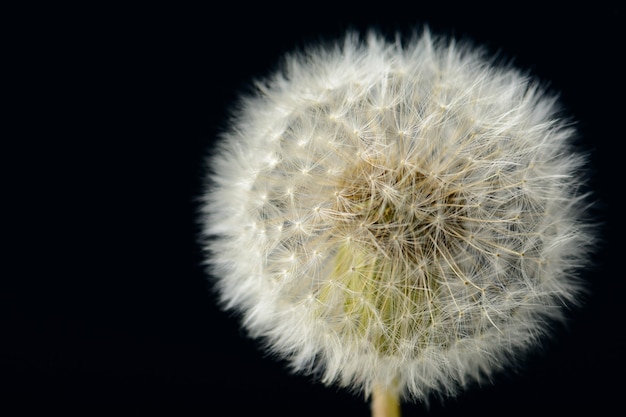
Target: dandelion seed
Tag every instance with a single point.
(421, 217)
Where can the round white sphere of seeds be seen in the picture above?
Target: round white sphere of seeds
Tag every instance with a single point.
(403, 216)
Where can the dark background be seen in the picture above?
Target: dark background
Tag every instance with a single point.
(107, 307)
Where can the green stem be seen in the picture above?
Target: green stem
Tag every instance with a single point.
(385, 403)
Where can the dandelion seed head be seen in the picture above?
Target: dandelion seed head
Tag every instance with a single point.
(415, 214)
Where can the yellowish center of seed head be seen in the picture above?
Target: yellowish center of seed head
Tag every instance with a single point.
(385, 280)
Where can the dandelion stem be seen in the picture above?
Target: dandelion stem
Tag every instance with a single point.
(385, 403)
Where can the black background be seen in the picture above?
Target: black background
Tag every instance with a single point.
(108, 308)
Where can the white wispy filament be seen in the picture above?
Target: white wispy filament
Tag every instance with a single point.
(395, 215)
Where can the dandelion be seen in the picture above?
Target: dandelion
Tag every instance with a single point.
(401, 218)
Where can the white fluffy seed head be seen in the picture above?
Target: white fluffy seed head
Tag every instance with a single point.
(397, 215)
